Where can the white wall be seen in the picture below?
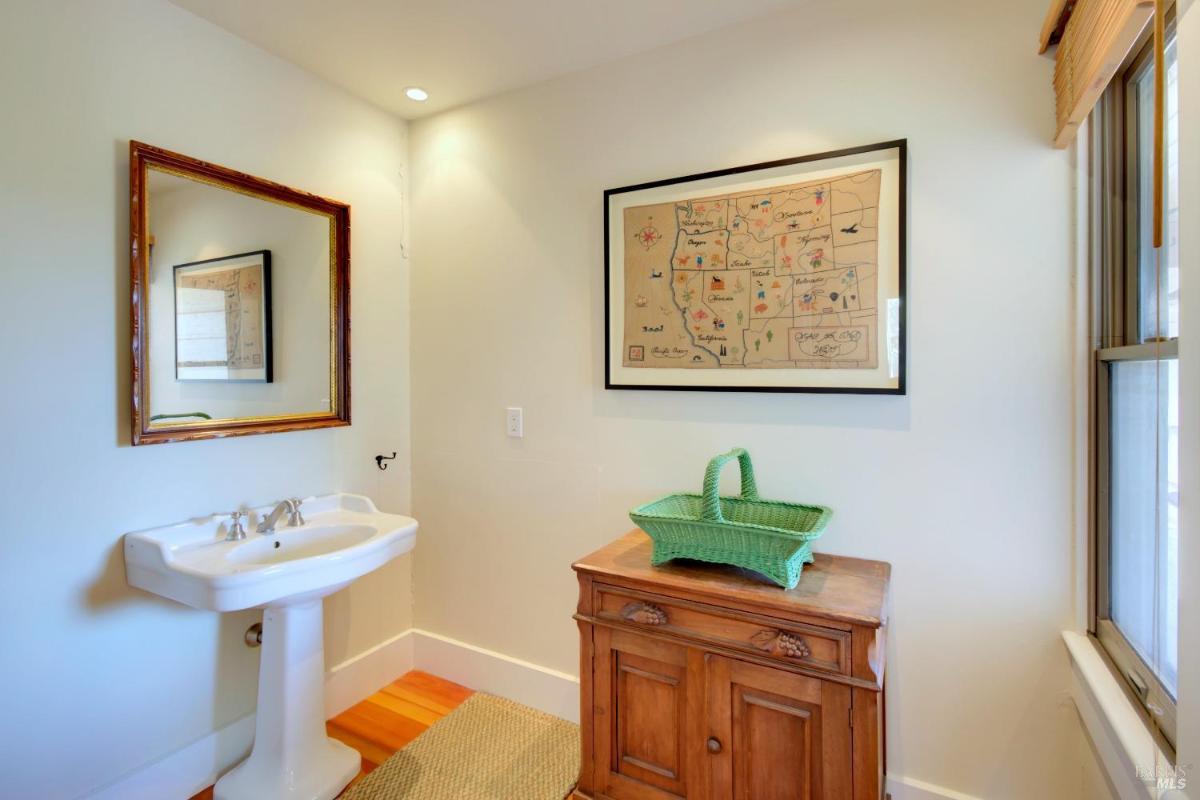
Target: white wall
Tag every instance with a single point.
(193, 221)
(1188, 735)
(964, 485)
(99, 679)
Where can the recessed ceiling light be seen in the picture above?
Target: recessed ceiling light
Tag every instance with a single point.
(416, 93)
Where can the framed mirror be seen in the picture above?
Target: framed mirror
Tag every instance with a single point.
(241, 302)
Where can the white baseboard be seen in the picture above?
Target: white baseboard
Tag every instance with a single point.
(545, 689)
(186, 771)
(901, 788)
(357, 678)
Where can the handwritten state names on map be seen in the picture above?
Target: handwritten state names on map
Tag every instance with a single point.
(779, 278)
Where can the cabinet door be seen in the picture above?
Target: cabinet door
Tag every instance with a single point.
(775, 735)
(648, 717)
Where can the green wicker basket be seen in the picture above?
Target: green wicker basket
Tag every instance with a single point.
(767, 536)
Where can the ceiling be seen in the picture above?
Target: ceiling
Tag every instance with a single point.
(463, 50)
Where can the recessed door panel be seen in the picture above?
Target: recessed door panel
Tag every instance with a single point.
(776, 735)
(642, 717)
(651, 717)
(776, 747)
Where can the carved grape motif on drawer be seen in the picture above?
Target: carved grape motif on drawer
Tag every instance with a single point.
(781, 643)
(644, 614)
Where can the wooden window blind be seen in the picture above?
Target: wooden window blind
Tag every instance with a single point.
(1094, 37)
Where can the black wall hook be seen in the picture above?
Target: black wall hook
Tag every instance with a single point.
(380, 459)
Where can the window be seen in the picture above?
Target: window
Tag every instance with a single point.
(1135, 391)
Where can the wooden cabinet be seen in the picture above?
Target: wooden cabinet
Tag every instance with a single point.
(703, 682)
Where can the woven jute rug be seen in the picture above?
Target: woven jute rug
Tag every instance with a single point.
(488, 748)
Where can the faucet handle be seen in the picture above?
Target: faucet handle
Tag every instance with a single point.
(236, 531)
(296, 518)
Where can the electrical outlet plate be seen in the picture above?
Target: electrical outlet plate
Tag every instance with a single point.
(515, 424)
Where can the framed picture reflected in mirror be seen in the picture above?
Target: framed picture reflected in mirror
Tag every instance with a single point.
(223, 318)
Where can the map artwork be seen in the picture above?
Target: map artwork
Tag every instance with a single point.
(785, 277)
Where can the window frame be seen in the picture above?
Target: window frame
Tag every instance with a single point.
(1114, 333)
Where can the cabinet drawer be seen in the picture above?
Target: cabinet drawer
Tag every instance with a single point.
(812, 646)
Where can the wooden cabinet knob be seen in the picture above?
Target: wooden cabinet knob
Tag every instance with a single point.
(714, 744)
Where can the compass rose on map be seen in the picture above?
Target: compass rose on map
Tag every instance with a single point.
(648, 236)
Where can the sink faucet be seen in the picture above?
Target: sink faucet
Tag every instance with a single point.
(291, 507)
(236, 531)
(295, 517)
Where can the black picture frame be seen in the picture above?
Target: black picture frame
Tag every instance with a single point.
(899, 145)
(268, 344)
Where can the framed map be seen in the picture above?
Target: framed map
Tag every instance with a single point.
(786, 276)
(223, 319)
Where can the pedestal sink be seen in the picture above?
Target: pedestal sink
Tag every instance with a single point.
(286, 573)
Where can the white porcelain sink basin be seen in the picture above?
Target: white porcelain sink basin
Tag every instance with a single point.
(344, 537)
(286, 573)
(302, 543)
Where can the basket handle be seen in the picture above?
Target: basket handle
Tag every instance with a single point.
(712, 482)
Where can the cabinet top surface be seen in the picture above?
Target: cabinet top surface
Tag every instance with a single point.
(837, 587)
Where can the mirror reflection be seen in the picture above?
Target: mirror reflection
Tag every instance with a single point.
(239, 300)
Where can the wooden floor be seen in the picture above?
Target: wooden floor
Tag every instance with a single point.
(390, 718)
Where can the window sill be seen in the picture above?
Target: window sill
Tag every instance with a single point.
(1125, 747)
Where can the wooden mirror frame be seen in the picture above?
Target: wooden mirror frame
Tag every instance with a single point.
(141, 158)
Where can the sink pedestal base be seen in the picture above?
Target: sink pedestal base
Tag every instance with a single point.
(292, 758)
